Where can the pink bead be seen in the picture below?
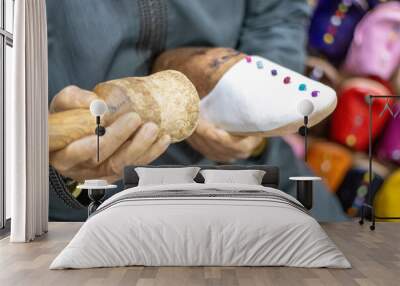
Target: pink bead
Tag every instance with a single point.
(248, 59)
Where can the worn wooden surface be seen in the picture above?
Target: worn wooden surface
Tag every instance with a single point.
(375, 257)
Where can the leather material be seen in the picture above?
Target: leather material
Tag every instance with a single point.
(375, 49)
(350, 121)
(353, 191)
(329, 161)
(389, 146)
(332, 26)
(387, 201)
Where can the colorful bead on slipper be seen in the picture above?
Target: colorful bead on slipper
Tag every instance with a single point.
(249, 95)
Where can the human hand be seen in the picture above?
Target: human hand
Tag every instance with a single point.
(127, 141)
(218, 145)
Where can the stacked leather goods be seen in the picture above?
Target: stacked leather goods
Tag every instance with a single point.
(355, 48)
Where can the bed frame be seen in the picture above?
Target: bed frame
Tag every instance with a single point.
(270, 179)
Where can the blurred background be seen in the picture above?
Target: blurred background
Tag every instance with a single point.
(354, 47)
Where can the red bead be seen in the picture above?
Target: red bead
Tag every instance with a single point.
(339, 14)
(286, 80)
(332, 30)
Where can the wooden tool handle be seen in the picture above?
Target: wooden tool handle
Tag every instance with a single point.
(67, 126)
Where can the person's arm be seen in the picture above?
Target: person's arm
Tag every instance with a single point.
(276, 30)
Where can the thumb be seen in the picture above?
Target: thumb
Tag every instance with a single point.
(72, 97)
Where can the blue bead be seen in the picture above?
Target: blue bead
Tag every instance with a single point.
(274, 72)
(260, 65)
(302, 87)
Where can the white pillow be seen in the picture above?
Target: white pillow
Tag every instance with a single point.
(248, 177)
(162, 176)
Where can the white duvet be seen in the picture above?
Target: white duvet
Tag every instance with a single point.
(188, 231)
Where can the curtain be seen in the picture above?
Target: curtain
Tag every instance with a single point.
(26, 119)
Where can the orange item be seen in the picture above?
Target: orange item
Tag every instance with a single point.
(330, 161)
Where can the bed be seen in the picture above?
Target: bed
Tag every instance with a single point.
(199, 224)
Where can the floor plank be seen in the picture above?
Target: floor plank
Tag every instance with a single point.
(375, 257)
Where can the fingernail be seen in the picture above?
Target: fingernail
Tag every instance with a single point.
(133, 116)
(166, 139)
(150, 129)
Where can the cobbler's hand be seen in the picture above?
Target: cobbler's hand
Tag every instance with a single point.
(126, 142)
(218, 145)
(71, 97)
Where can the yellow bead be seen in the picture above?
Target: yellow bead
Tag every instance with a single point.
(351, 140)
(328, 39)
(343, 8)
(366, 177)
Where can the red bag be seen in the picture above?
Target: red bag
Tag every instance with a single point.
(350, 120)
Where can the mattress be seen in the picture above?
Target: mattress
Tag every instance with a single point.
(201, 225)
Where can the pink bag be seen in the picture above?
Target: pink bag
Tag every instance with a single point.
(396, 82)
(375, 49)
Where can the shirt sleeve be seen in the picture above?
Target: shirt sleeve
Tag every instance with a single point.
(276, 30)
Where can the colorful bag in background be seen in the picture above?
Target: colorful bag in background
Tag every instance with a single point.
(389, 145)
(350, 120)
(375, 49)
(329, 161)
(396, 81)
(353, 191)
(332, 26)
(387, 200)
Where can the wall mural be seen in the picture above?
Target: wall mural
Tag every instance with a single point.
(203, 87)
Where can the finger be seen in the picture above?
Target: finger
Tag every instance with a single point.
(242, 146)
(222, 145)
(80, 174)
(85, 149)
(217, 150)
(247, 145)
(156, 150)
(221, 139)
(138, 146)
(72, 97)
(202, 146)
(206, 129)
(116, 135)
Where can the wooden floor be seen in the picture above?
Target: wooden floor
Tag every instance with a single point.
(375, 257)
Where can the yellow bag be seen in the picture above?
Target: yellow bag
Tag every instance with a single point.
(387, 200)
